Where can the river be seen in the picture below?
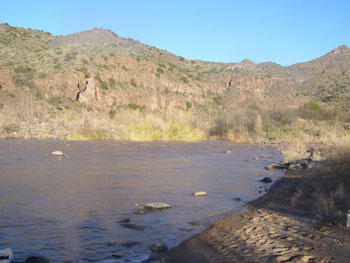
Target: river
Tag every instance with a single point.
(69, 209)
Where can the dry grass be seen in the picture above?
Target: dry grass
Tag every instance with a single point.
(325, 191)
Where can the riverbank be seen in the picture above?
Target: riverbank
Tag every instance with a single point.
(273, 229)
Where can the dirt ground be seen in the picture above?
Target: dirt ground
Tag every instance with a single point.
(270, 231)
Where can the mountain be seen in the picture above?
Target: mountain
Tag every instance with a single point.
(40, 74)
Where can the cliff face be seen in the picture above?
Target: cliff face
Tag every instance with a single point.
(38, 69)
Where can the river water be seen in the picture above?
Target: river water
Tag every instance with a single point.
(69, 210)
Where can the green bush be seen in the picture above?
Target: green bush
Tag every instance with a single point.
(55, 100)
(134, 106)
(84, 71)
(112, 113)
(188, 104)
(133, 82)
(184, 79)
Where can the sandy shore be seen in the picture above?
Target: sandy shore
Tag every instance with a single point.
(270, 231)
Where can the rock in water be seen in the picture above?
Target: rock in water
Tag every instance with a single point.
(157, 206)
(133, 226)
(266, 180)
(158, 247)
(199, 193)
(57, 153)
(37, 260)
(6, 256)
(227, 152)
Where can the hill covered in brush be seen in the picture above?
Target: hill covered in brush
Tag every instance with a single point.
(136, 91)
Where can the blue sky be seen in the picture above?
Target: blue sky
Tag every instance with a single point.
(284, 31)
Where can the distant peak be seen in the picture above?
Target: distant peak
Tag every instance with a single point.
(340, 49)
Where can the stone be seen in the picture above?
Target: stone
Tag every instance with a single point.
(130, 244)
(6, 255)
(255, 158)
(238, 199)
(37, 260)
(125, 220)
(158, 247)
(157, 206)
(57, 153)
(199, 193)
(227, 152)
(133, 226)
(266, 180)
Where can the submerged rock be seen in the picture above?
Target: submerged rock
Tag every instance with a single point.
(157, 206)
(158, 247)
(266, 180)
(133, 226)
(125, 220)
(37, 260)
(199, 193)
(130, 244)
(238, 199)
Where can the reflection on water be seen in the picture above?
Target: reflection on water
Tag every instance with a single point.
(69, 210)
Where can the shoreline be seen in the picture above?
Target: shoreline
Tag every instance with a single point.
(269, 231)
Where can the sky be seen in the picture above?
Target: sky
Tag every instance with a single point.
(282, 31)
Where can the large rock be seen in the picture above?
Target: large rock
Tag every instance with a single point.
(157, 206)
(57, 153)
(6, 256)
(266, 180)
(158, 247)
(199, 194)
(271, 166)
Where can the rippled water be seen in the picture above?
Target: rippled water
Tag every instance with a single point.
(69, 210)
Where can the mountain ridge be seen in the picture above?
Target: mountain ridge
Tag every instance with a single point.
(126, 74)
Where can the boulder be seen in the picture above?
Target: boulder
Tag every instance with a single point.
(199, 193)
(57, 153)
(6, 256)
(157, 206)
(158, 247)
(227, 152)
(238, 199)
(266, 180)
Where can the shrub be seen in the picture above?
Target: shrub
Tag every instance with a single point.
(188, 104)
(112, 113)
(184, 79)
(133, 82)
(1, 105)
(84, 71)
(55, 100)
(159, 70)
(134, 106)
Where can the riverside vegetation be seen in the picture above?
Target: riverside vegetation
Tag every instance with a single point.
(138, 92)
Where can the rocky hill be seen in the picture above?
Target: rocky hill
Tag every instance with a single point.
(40, 74)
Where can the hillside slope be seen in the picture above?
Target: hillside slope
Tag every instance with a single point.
(40, 74)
